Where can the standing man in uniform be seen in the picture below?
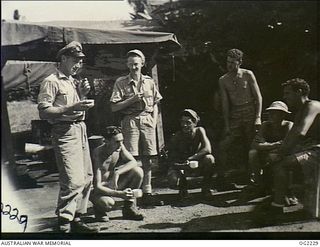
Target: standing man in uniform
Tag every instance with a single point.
(241, 105)
(135, 96)
(62, 102)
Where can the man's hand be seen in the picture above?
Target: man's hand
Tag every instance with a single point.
(257, 122)
(83, 105)
(137, 97)
(127, 194)
(84, 87)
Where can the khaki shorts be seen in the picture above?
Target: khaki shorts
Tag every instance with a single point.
(139, 135)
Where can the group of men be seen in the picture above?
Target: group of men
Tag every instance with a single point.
(114, 170)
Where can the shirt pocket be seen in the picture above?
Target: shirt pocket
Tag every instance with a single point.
(128, 92)
(63, 96)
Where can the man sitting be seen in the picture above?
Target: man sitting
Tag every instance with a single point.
(268, 139)
(300, 150)
(116, 173)
(190, 144)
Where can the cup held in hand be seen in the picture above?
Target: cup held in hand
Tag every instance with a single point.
(137, 193)
(193, 164)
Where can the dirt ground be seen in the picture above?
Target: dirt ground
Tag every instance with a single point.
(215, 214)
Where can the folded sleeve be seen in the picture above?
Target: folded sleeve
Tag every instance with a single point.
(117, 94)
(156, 95)
(47, 94)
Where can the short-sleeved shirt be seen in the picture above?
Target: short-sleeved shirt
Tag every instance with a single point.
(59, 90)
(239, 88)
(183, 146)
(125, 87)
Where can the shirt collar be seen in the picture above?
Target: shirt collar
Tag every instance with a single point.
(61, 75)
(130, 80)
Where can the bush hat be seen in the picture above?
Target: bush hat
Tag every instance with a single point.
(138, 53)
(192, 114)
(278, 106)
(73, 49)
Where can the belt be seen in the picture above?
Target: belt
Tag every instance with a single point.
(68, 122)
(138, 114)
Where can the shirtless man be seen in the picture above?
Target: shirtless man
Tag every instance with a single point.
(190, 144)
(116, 174)
(269, 138)
(301, 148)
(241, 105)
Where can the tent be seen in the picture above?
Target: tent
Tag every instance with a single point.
(27, 41)
(28, 55)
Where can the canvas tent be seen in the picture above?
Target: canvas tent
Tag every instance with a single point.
(28, 55)
(20, 39)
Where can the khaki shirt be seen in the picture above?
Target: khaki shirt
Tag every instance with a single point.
(59, 90)
(238, 88)
(125, 87)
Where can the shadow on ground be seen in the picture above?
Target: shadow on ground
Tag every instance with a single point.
(229, 222)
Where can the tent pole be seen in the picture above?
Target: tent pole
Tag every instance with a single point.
(160, 135)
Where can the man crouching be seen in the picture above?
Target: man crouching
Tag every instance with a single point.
(190, 148)
(116, 174)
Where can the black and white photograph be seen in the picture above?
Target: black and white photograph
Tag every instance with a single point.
(160, 119)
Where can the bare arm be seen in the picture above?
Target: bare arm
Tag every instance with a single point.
(300, 129)
(52, 112)
(225, 105)
(260, 143)
(257, 96)
(97, 182)
(130, 161)
(205, 146)
(125, 103)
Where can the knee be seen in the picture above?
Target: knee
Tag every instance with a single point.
(137, 172)
(77, 183)
(208, 161)
(105, 203)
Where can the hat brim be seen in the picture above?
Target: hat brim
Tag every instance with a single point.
(277, 109)
(74, 54)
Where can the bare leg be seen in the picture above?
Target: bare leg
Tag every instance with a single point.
(146, 166)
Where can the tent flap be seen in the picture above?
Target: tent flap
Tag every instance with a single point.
(16, 33)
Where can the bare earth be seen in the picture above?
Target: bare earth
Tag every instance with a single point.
(196, 215)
